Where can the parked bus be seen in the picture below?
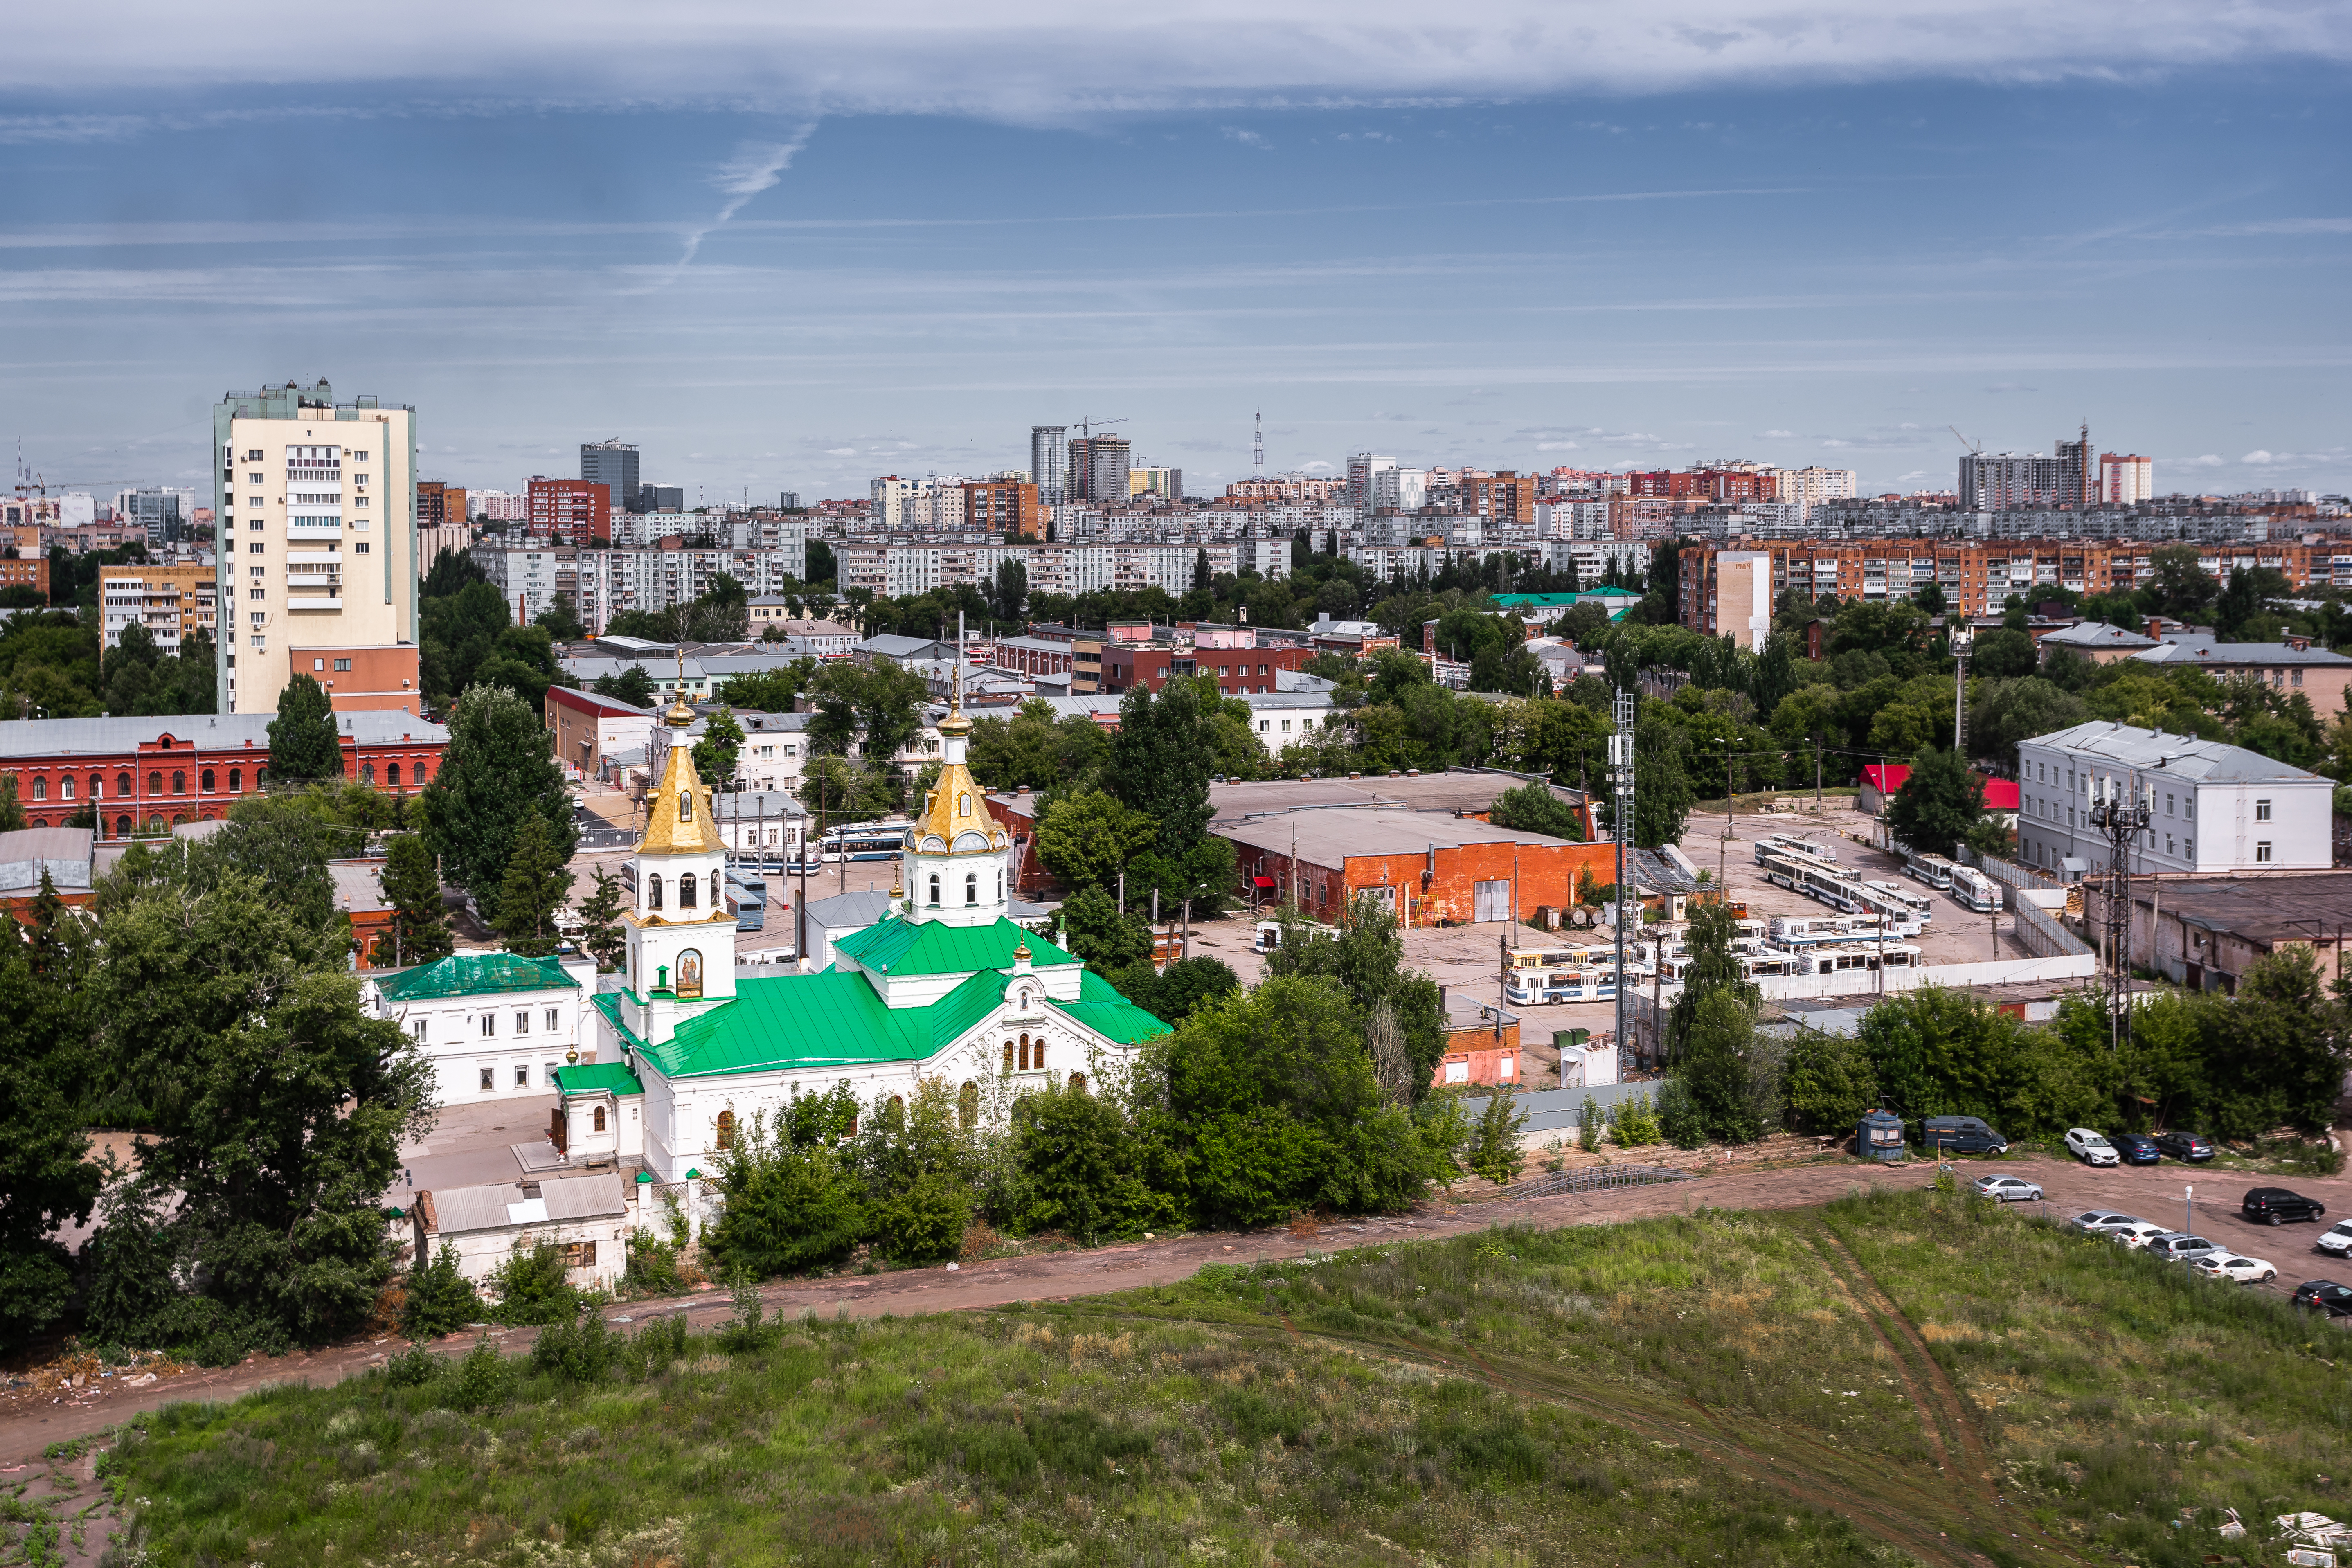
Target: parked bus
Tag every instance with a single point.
(1974, 888)
(884, 840)
(746, 901)
(1830, 960)
(1574, 983)
(1919, 903)
(1932, 869)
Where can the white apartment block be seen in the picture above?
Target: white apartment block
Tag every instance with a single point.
(2126, 479)
(1808, 488)
(603, 583)
(315, 505)
(2211, 807)
(499, 506)
(889, 496)
(1583, 518)
(907, 571)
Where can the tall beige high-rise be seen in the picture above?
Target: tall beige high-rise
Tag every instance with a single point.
(315, 508)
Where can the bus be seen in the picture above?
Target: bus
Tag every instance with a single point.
(1830, 959)
(1574, 983)
(746, 901)
(1974, 888)
(1932, 869)
(883, 840)
(1918, 903)
(1789, 844)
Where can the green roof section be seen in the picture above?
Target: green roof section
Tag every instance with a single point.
(475, 974)
(1102, 1008)
(594, 1077)
(896, 946)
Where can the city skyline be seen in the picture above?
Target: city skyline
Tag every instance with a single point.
(1721, 230)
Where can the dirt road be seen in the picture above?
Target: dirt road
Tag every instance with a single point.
(30, 1421)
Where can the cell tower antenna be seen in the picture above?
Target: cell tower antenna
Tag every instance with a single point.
(1257, 450)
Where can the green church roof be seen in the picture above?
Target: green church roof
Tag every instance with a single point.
(1101, 1007)
(475, 974)
(900, 946)
(590, 1078)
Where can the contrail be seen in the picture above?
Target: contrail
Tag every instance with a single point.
(755, 166)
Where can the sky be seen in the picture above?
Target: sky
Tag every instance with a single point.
(781, 247)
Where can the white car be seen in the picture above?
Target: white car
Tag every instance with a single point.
(2336, 1238)
(2090, 1147)
(2229, 1265)
(2103, 1222)
(2008, 1189)
(2138, 1233)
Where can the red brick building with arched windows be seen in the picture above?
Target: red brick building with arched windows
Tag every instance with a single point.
(145, 774)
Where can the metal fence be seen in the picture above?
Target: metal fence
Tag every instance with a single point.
(2008, 872)
(2042, 936)
(1592, 1178)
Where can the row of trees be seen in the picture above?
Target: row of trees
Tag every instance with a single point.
(2274, 1054)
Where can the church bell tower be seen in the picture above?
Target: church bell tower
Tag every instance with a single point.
(682, 948)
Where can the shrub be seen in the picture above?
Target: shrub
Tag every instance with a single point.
(1494, 1151)
(653, 1266)
(1679, 1120)
(413, 1368)
(924, 1221)
(747, 1329)
(1637, 1124)
(580, 1350)
(1587, 1125)
(532, 1287)
(440, 1299)
(479, 1381)
(1080, 1162)
(660, 1344)
(788, 1207)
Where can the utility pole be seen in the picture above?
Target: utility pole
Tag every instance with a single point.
(1723, 850)
(1962, 636)
(1621, 823)
(1817, 775)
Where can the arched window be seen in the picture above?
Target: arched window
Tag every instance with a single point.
(40, 789)
(1037, 1054)
(157, 826)
(97, 786)
(155, 784)
(237, 781)
(179, 784)
(367, 775)
(968, 1105)
(1008, 1056)
(726, 1130)
(963, 804)
(935, 889)
(1024, 1053)
(686, 805)
(208, 783)
(391, 775)
(65, 787)
(653, 891)
(122, 827)
(971, 890)
(1077, 1083)
(122, 783)
(686, 891)
(689, 972)
(600, 1119)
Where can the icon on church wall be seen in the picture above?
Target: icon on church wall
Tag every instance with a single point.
(689, 972)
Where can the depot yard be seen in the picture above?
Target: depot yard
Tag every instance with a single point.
(1911, 1372)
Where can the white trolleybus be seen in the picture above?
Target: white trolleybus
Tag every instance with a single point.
(1975, 889)
(1575, 974)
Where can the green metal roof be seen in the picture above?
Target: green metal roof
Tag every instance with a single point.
(1562, 601)
(590, 1078)
(836, 1018)
(900, 946)
(1102, 1008)
(475, 974)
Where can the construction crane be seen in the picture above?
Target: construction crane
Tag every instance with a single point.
(1976, 448)
(1087, 426)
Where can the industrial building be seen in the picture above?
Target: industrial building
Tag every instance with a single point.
(2205, 932)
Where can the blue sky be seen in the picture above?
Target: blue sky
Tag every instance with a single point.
(795, 259)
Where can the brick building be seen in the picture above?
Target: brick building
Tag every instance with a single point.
(572, 511)
(148, 773)
(439, 505)
(1004, 506)
(1505, 496)
(1431, 869)
(1238, 669)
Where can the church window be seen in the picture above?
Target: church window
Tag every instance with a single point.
(1000, 887)
(894, 1115)
(653, 891)
(552, 1023)
(963, 804)
(726, 1130)
(935, 890)
(1037, 1054)
(489, 1024)
(522, 1075)
(968, 1105)
(971, 889)
(686, 805)
(600, 1119)
(179, 784)
(1024, 1053)
(522, 1020)
(686, 891)
(1008, 1056)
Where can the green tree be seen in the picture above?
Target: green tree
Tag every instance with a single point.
(1366, 957)
(46, 1181)
(533, 887)
(440, 1299)
(1938, 806)
(836, 791)
(788, 1206)
(1009, 590)
(1082, 1165)
(1089, 839)
(499, 771)
(304, 744)
(1938, 1053)
(721, 743)
(1828, 1083)
(604, 938)
(1174, 993)
(632, 686)
(2179, 586)
(560, 620)
(1661, 788)
(412, 884)
(12, 810)
(1533, 809)
(770, 690)
(2003, 655)
(1093, 929)
(1496, 1152)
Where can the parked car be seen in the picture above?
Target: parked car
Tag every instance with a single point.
(2179, 1245)
(2136, 1148)
(2104, 1222)
(2229, 1265)
(2324, 1296)
(2008, 1189)
(2090, 1147)
(2276, 1206)
(1960, 1135)
(2138, 1233)
(2336, 1240)
(2192, 1147)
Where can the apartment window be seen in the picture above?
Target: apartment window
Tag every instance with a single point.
(1265, 726)
(257, 548)
(489, 1024)
(259, 595)
(2262, 851)
(2262, 811)
(361, 549)
(489, 1081)
(318, 664)
(522, 1021)
(522, 1076)
(2188, 807)
(551, 1020)
(2168, 806)
(258, 571)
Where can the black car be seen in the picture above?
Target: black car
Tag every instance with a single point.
(2276, 1206)
(2136, 1148)
(2324, 1296)
(2187, 1146)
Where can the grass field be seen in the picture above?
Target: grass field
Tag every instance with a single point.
(1905, 1377)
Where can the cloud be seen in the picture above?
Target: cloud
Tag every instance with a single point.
(1778, 436)
(1058, 57)
(841, 451)
(1247, 138)
(756, 166)
(2210, 460)
(2258, 457)
(1558, 446)
(1317, 467)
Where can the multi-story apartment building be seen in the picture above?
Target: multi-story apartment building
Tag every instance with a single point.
(1977, 577)
(1099, 466)
(613, 464)
(316, 504)
(439, 504)
(603, 583)
(1049, 459)
(499, 506)
(2126, 479)
(904, 570)
(1372, 483)
(1157, 479)
(889, 495)
(1990, 480)
(1806, 488)
(573, 511)
(1004, 506)
(171, 602)
(1503, 498)
(2211, 807)
(164, 514)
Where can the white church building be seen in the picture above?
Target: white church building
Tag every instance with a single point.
(942, 987)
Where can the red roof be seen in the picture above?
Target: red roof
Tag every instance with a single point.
(2000, 794)
(1887, 777)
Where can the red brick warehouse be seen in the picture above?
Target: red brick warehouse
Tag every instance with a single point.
(1430, 869)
